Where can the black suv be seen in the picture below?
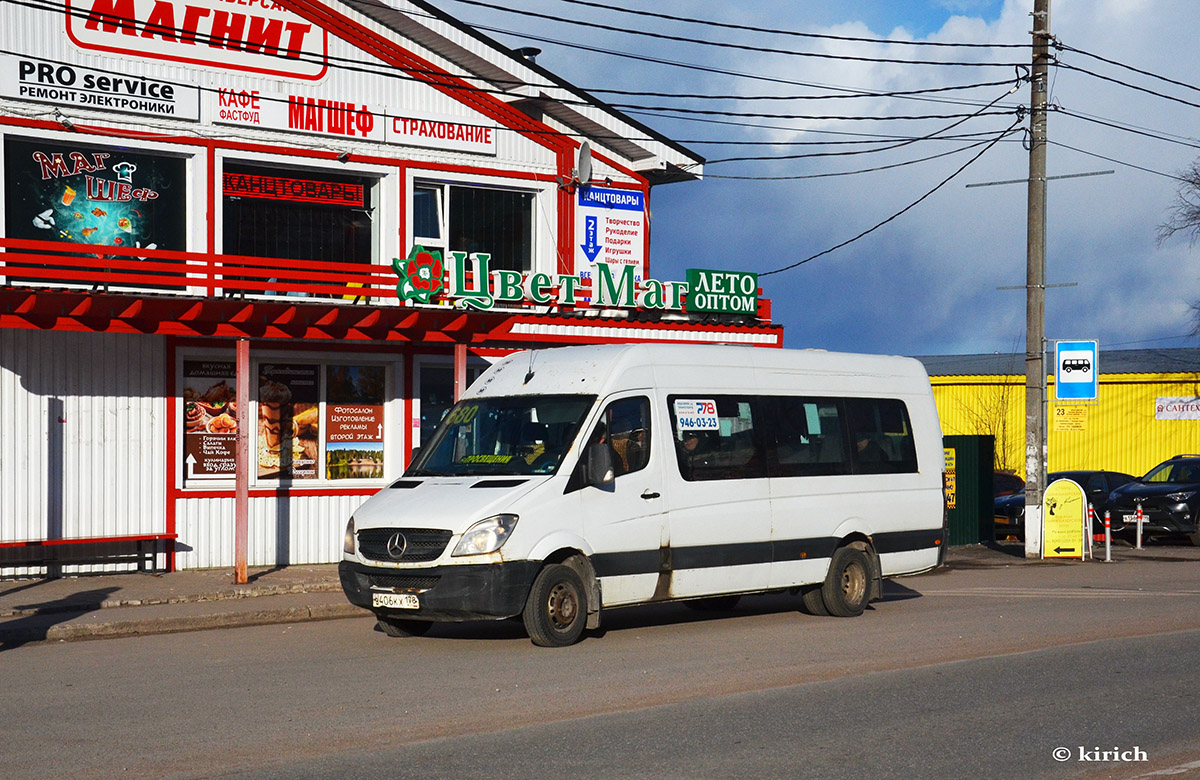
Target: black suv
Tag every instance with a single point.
(1170, 500)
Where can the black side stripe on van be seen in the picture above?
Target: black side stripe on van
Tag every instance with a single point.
(907, 541)
(715, 555)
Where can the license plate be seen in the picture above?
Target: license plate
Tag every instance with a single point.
(395, 600)
(1130, 518)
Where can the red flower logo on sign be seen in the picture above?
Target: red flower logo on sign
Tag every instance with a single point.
(420, 276)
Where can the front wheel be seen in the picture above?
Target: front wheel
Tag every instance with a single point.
(848, 584)
(814, 601)
(556, 612)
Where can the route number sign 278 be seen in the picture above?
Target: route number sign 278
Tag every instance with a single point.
(697, 415)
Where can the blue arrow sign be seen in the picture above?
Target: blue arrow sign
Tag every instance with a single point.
(590, 247)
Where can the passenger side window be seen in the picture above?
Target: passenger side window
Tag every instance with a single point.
(809, 438)
(716, 438)
(627, 423)
(881, 440)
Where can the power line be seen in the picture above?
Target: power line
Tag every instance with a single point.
(1116, 161)
(671, 110)
(438, 78)
(1127, 85)
(899, 213)
(981, 112)
(1158, 134)
(860, 138)
(1108, 61)
(865, 138)
(1116, 126)
(660, 61)
(852, 173)
(793, 33)
(730, 45)
(850, 94)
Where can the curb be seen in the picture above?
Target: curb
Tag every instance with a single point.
(67, 632)
(225, 595)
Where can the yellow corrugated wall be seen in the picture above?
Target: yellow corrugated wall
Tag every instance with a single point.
(1119, 431)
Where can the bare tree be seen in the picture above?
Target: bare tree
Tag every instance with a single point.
(1184, 214)
(986, 413)
(1184, 217)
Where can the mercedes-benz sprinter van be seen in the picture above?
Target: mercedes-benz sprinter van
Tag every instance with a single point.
(568, 481)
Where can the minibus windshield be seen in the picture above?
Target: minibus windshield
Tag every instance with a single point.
(515, 436)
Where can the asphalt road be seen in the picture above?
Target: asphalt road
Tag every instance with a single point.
(964, 673)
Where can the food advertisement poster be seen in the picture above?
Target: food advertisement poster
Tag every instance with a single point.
(289, 425)
(354, 422)
(94, 195)
(209, 419)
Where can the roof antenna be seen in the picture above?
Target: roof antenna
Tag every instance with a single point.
(529, 373)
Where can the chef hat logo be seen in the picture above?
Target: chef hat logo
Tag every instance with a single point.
(124, 171)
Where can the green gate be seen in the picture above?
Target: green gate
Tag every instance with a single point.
(969, 488)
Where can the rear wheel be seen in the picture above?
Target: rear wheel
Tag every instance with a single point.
(402, 627)
(848, 585)
(556, 612)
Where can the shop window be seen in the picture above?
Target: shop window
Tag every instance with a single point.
(311, 421)
(461, 218)
(105, 196)
(436, 392)
(298, 215)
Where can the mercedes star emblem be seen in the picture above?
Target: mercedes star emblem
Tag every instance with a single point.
(396, 545)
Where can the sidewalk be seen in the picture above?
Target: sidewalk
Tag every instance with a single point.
(116, 605)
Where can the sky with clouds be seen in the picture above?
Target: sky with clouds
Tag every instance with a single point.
(926, 282)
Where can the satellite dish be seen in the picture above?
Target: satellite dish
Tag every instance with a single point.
(583, 171)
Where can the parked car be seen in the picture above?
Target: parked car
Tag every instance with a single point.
(1005, 484)
(1170, 499)
(1097, 486)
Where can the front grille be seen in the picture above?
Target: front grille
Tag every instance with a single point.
(403, 581)
(423, 544)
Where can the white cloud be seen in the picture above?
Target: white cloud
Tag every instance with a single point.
(926, 283)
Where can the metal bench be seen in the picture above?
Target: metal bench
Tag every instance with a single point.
(140, 548)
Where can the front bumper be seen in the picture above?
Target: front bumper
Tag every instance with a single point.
(489, 591)
(1156, 520)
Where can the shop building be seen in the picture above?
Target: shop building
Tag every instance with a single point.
(1147, 409)
(366, 202)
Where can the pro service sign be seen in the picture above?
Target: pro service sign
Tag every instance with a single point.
(1076, 375)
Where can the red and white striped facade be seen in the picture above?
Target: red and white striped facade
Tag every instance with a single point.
(99, 347)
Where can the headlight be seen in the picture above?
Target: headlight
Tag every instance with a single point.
(486, 536)
(348, 543)
(1181, 497)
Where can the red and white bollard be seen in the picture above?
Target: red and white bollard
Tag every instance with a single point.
(1091, 529)
(1107, 537)
(1140, 517)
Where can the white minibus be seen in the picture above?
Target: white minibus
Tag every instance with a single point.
(572, 480)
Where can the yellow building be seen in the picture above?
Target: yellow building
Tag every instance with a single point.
(1147, 410)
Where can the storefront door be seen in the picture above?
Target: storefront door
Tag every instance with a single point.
(434, 392)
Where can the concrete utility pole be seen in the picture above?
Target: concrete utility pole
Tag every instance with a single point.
(1035, 285)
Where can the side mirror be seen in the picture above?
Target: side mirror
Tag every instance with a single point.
(599, 470)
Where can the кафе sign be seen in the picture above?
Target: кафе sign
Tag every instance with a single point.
(476, 286)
